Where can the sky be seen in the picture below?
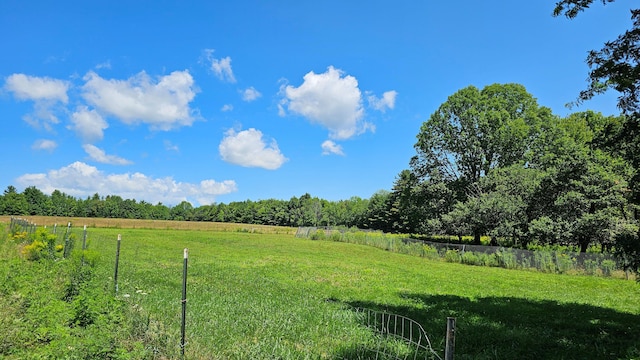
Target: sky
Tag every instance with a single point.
(221, 101)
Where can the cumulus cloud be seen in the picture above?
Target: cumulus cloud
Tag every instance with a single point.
(331, 99)
(221, 67)
(88, 124)
(387, 101)
(44, 144)
(226, 107)
(329, 147)
(162, 103)
(250, 94)
(45, 92)
(25, 87)
(248, 148)
(82, 180)
(98, 155)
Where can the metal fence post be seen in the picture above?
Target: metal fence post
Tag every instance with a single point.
(451, 338)
(184, 301)
(84, 238)
(115, 275)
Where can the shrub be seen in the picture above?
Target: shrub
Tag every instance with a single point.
(470, 258)
(590, 267)
(543, 261)
(430, 252)
(607, 267)
(506, 258)
(318, 235)
(19, 236)
(485, 259)
(34, 251)
(335, 236)
(565, 262)
(452, 256)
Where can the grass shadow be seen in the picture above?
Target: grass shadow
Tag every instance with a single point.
(515, 328)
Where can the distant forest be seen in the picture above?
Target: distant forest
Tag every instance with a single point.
(297, 211)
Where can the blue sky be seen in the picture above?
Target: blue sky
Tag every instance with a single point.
(220, 101)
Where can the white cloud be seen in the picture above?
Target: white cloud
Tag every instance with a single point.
(82, 180)
(220, 67)
(250, 94)
(104, 65)
(43, 116)
(331, 99)
(226, 107)
(388, 101)
(169, 146)
(248, 148)
(25, 87)
(162, 104)
(329, 147)
(98, 155)
(45, 92)
(88, 124)
(44, 144)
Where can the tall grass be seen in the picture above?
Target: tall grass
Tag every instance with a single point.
(59, 308)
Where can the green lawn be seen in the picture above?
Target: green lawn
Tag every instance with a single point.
(267, 296)
(262, 295)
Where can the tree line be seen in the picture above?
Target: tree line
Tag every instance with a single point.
(297, 211)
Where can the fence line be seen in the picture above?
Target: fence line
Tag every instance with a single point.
(543, 260)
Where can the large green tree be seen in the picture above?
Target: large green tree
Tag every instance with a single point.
(472, 133)
(475, 131)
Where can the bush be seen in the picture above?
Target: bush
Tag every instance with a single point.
(607, 267)
(565, 263)
(506, 258)
(452, 256)
(318, 235)
(34, 251)
(430, 252)
(590, 267)
(543, 261)
(335, 236)
(485, 259)
(470, 258)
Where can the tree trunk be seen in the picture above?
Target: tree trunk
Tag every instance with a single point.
(584, 245)
(476, 238)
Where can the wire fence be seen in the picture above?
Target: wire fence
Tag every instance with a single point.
(553, 261)
(396, 337)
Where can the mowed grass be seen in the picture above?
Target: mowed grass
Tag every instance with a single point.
(265, 296)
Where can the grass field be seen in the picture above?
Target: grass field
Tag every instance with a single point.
(269, 295)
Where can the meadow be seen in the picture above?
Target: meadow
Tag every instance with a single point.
(265, 294)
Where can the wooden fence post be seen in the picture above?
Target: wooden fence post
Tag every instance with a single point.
(451, 338)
